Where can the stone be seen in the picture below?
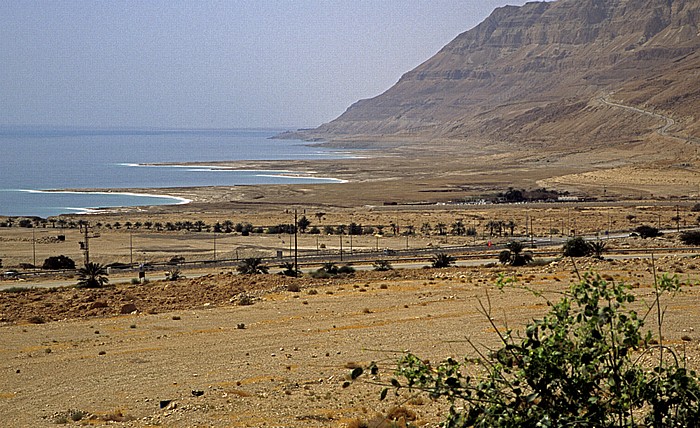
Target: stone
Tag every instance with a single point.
(128, 309)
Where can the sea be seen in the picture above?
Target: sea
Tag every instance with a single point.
(37, 165)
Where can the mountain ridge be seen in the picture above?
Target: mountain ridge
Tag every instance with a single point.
(536, 73)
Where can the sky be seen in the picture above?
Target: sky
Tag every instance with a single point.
(213, 64)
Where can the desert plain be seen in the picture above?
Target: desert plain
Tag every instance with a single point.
(187, 353)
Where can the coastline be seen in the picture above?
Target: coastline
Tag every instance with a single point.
(140, 199)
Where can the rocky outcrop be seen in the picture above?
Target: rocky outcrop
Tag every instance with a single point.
(543, 63)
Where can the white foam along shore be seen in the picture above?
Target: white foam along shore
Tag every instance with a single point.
(271, 173)
(177, 199)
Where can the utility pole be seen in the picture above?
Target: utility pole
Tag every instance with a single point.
(678, 219)
(34, 247)
(86, 241)
(214, 246)
(131, 248)
(296, 247)
(341, 247)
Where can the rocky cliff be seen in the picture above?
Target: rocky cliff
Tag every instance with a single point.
(542, 72)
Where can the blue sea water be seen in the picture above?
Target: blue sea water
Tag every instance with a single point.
(36, 159)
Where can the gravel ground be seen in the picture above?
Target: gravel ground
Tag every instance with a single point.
(188, 354)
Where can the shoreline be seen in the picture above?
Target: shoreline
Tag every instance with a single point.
(175, 200)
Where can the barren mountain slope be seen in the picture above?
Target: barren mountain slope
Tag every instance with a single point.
(539, 72)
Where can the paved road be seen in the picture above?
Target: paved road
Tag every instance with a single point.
(397, 264)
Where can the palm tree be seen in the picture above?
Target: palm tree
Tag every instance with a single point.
(443, 260)
(382, 265)
(303, 224)
(510, 224)
(289, 270)
(441, 229)
(514, 255)
(492, 224)
(458, 228)
(252, 266)
(598, 248)
(92, 275)
(425, 229)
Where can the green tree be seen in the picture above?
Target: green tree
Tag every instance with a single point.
(92, 275)
(252, 266)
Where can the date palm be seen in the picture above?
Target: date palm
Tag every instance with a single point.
(92, 275)
(252, 266)
(443, 260)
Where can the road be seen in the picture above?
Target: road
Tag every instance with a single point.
(663, 131)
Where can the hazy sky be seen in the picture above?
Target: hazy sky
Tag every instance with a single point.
(213, 64)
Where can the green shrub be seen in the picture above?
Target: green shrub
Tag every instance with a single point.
(647, 231)
(442, 260)
(576, 247)
(289, 270)
(252, 266)
(346, 270)
(577, 366)
(330, 269)
(58, 262)
(382, 265)
(691, 237)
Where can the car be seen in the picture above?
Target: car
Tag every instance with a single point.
(11, 274)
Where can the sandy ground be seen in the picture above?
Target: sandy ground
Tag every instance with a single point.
(282, 361)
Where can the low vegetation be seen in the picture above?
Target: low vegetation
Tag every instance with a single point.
(442, 260)
(515, 255)
(576, 366)
(252, 266)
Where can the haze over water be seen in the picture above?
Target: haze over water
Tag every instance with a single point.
(40, 158)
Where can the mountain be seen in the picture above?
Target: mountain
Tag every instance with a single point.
(569, 71)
